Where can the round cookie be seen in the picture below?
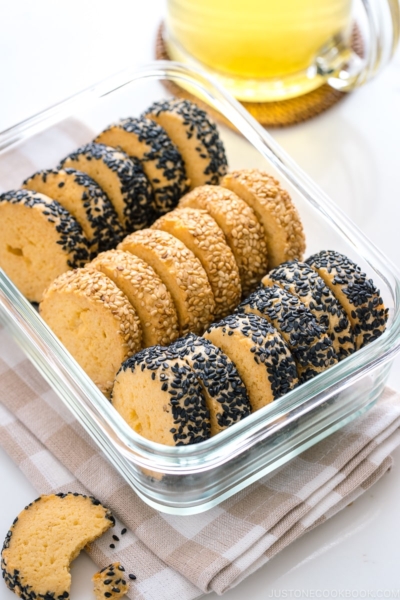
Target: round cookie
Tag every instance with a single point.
(200, 233)
(95, 322)
(39, 240)
(110, 582)
(180, 271)
(224, 391)
(243, 233)
(80, 195)
(310, 346)
(259, 353)
(304, 282)
(159, 157)
(357, 295)
(121, 178)
(196, 137)
(145, 291)
(45, 538)
(160, 398)
(275, 211)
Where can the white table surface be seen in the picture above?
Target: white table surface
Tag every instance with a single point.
(48, 50)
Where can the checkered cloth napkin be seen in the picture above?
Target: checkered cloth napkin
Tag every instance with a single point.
(183, 557)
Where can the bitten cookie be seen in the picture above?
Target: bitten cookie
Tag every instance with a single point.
(224, 391)
(357, 295)
(200, 233)
(243, 233)
(196, 137)
(39, 240)
(121, 178)
(311, 347)
(182, 274)
(160, 397)
(145, 291)
(274, 209)
(259, 353)
(110, 582)
(80, 195)
(95, 322)
(45, 538)
(159, 157)
(304, 282)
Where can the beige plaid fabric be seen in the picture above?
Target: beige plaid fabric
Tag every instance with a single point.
(182, 557)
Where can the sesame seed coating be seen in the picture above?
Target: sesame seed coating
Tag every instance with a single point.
(85, 200)
(174, 411)
(196, 137)
(274, 209)
(95, 322)
(243, 233)
(200, 233)
(108, 582)
(182, 274)
(43, 540)
(224, 391)
(145, 291)
(159, 157)
(311, 347)
(39, 240)
(304, 282)
(260, 354)
(121, 178)
(356, 293)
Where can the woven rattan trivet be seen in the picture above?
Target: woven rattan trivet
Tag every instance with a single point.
(272, 114)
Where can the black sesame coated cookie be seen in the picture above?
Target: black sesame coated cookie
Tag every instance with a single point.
(195, 135)
(45, 537)
(302, 281)
(85, 200)
(39, 240)
(356, 293)
(259, 353)
(160, 397)
(223, 388)
(311, 347)
(110, 582)
(159, 157)
(121, 178)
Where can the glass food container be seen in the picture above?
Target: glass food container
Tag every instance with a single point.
(191, 479)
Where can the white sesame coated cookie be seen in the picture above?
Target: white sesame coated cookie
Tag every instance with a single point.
(95, 322)
(243, 233)
(182, 274)
(145, 291)
(274, 209)
(200, 233)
